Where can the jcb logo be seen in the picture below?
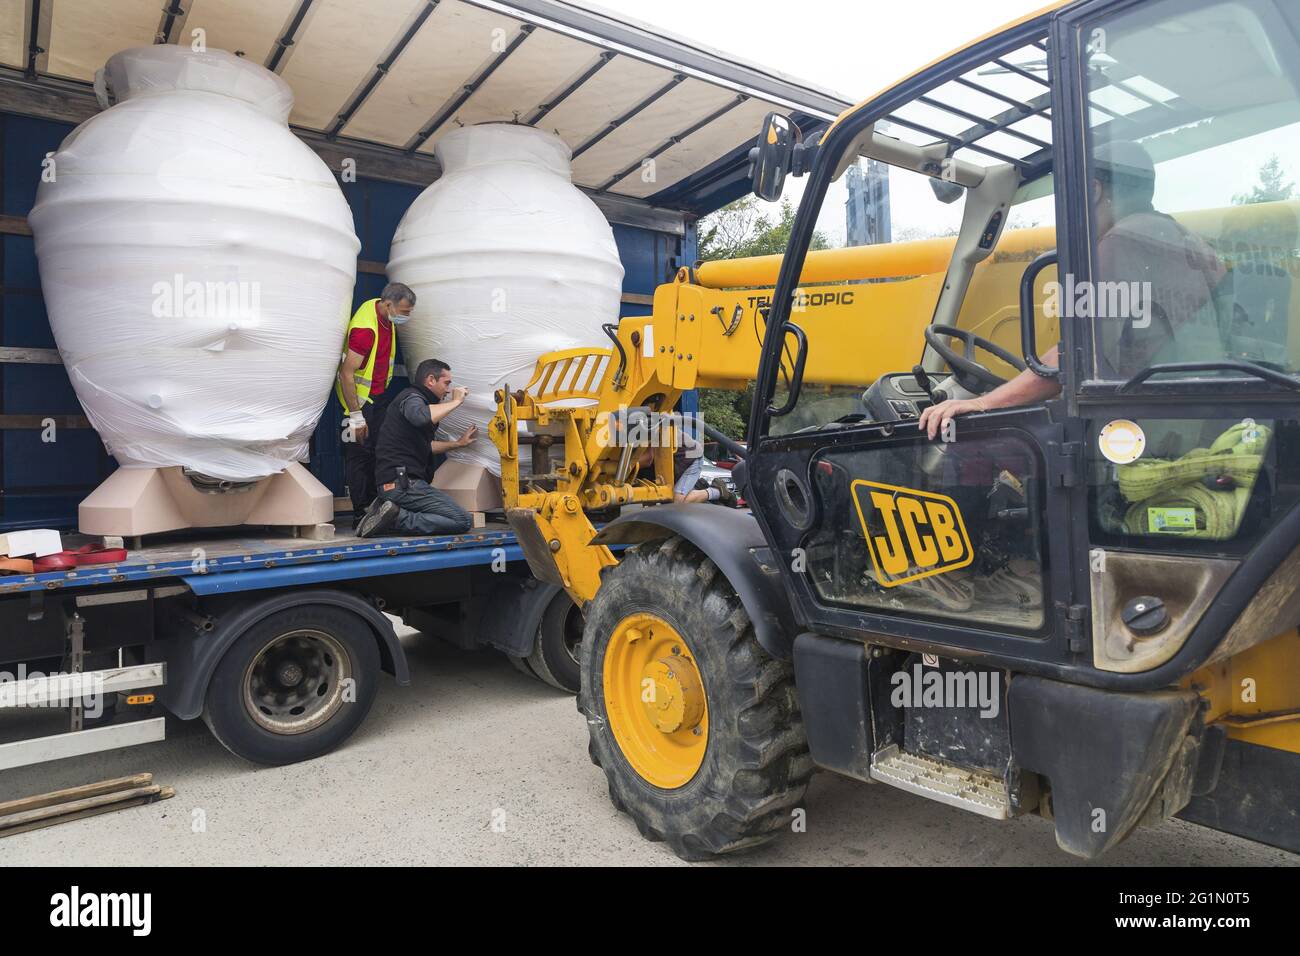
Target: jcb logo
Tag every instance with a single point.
(910, 534)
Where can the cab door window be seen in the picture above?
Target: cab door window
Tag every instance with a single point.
(1194, 152)
(991, 306)
(940, 529)
(1204, 485)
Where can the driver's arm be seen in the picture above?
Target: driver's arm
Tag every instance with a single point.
(1025, 389)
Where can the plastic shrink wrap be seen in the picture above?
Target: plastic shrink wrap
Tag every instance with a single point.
(508, 260)
(197, 262)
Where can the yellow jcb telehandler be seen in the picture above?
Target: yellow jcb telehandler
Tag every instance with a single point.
(1078, 596)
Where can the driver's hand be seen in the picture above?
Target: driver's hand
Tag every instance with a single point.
(934, 418)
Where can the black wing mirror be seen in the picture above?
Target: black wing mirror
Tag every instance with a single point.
(780, 152)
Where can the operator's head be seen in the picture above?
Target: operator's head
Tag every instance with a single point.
(396, 302)
(1123, 181)
(433, 376)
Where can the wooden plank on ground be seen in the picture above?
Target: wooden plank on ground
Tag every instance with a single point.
(122, 800)
(36, 801)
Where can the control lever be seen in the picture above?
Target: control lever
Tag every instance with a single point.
(936, 395)
(923, 380)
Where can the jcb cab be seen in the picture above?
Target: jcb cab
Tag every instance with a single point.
(1078, 597)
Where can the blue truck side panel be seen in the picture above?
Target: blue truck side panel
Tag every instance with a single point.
(42, 481)
(650, 259)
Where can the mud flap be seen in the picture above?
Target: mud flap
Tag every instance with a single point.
(831, 678)
(1105, 753)
(1254, 796)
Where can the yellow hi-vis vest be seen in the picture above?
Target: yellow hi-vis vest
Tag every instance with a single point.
(365, 318)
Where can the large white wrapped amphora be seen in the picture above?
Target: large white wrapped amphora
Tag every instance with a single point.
(197, 262)
(508, 260)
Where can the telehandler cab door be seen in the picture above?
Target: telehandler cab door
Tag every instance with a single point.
(941, 543)
(961, 542)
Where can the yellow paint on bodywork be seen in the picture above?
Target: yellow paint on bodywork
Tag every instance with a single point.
(1255, 695)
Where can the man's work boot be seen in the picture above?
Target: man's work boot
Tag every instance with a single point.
(726, 496)
(380, 517)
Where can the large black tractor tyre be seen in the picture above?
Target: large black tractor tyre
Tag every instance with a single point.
(294, 686)
(756, 766)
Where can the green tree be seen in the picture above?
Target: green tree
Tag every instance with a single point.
(741, 229)
(1271, 187)
(737, 231)
(727, 410)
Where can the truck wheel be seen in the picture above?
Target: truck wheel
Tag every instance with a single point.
(695, 725)
(555, 651)
(294, 686)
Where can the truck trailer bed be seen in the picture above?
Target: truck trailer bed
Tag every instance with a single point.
(223, 563)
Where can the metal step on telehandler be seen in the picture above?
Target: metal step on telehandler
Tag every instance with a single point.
(976, 790)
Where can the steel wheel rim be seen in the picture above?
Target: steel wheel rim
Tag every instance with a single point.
(295, 683)
(664, 738)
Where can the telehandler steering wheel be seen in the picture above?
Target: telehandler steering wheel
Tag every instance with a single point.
(970, 374)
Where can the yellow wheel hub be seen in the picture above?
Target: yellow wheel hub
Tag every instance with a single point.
(654, 699)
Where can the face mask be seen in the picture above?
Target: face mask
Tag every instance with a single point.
(399, 319)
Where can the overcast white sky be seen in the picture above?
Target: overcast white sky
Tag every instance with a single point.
(853, 48)
(856, 49)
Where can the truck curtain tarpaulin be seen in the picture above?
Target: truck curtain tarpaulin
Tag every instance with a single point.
(648, 117)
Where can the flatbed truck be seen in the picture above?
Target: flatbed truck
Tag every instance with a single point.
(277, 641)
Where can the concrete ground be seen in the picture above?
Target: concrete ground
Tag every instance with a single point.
(475, 763)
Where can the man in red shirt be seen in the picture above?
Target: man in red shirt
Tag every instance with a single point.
(364, 374)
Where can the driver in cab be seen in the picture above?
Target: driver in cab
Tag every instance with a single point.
(1137, 244)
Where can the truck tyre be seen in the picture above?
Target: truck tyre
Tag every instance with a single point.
(521, 664)
(696, 726)
(555, 651)
(294, 686)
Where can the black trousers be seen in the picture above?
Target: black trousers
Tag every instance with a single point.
(426, 510)
(359, 456)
